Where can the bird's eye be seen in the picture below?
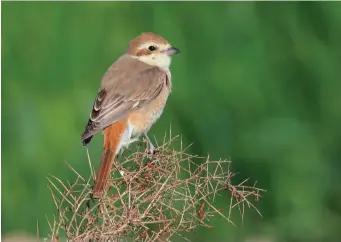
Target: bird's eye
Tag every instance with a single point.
(151, 48)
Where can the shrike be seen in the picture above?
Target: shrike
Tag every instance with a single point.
(132, 96)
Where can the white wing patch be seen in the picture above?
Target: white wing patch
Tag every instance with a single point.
(136, 104)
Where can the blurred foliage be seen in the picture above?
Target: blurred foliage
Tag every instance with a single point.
(257, 82)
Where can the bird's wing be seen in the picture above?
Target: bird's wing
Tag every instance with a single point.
(122, 93)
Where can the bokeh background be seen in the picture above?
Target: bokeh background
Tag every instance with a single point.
(259, 83)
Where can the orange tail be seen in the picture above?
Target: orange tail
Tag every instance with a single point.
(103, 173)
(112, 138)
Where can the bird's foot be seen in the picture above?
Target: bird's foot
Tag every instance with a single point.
(151, 150)
(151, 153)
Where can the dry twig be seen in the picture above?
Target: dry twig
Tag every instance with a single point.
(149, 202)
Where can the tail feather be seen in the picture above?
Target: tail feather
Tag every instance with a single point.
(112, 139)
(103, 173)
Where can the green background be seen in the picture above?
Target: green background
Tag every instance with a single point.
(256, 82)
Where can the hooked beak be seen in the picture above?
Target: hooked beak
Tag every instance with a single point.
(171, 51)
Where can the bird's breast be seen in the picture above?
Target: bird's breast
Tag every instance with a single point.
(142, 119)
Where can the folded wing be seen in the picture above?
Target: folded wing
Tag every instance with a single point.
(121, 93)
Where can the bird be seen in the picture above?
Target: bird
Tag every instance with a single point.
(131, 98)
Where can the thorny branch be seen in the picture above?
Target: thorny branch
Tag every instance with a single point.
(149, 202)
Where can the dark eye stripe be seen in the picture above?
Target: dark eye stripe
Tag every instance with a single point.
(143, 52)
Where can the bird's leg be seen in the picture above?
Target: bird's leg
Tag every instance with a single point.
(151, 150)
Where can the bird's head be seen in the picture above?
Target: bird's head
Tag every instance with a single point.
(152, 49)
